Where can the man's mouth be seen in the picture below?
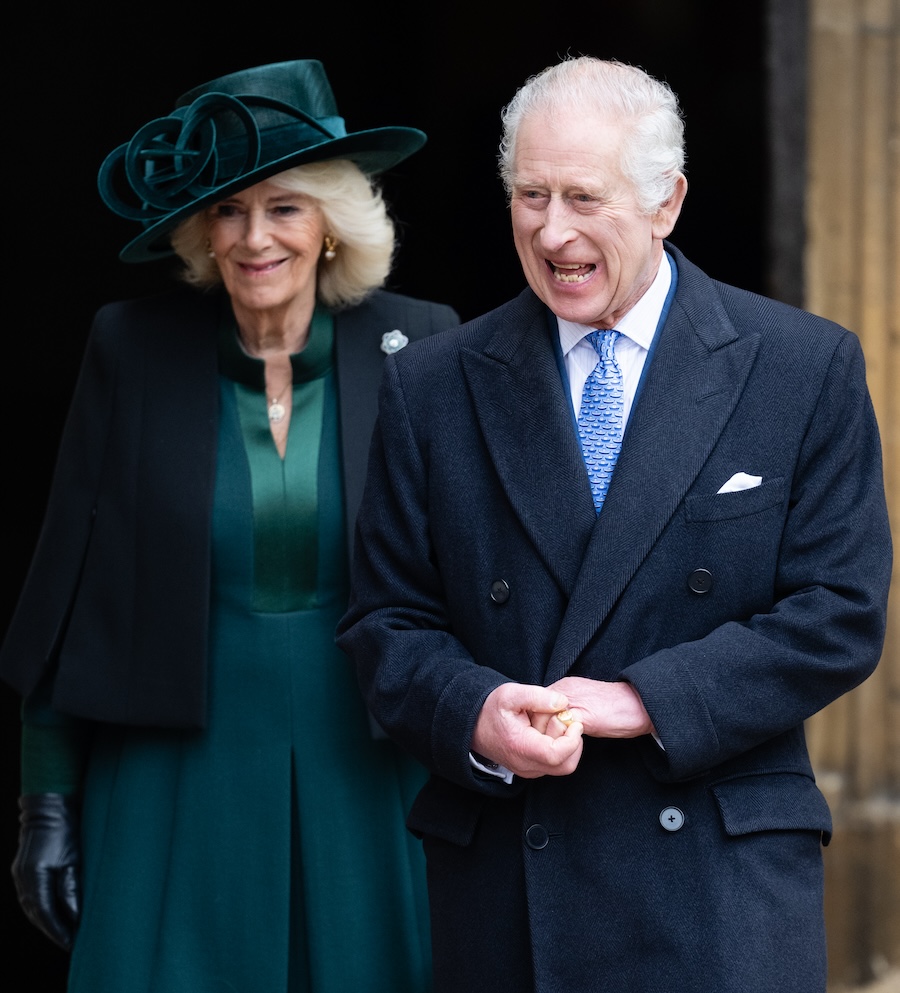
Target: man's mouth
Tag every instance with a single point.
(572, 272)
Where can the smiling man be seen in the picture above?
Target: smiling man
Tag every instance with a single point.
(621, 537)
(590, 245)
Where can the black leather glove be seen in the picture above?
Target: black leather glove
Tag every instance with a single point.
(45, 868)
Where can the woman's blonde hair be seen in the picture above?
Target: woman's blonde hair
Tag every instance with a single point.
(355, 215)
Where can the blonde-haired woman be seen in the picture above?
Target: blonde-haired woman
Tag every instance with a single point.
(206, 804)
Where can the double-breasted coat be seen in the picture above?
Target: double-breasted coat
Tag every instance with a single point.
(689, 865)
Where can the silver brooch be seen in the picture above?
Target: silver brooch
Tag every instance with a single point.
(393, 341)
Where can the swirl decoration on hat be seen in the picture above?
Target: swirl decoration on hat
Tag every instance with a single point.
(173, 161)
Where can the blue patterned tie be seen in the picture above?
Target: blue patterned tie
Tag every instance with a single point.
(600, 417)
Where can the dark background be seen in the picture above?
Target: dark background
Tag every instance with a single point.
(86, 80)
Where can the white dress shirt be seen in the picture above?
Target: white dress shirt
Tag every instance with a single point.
(637, 329)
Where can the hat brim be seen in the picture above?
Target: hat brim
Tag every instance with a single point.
(374, 151)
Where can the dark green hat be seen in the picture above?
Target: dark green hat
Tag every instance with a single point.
(229, 134)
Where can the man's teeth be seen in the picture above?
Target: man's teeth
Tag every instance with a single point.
(559, 272)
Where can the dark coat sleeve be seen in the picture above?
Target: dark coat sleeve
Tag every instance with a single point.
(801, 568)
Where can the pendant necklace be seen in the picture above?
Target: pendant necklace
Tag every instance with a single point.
(276, 407)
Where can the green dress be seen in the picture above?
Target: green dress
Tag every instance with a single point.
(267, 853)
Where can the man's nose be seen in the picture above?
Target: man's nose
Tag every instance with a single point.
(558, 227)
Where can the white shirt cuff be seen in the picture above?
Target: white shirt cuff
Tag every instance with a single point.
(491, 768)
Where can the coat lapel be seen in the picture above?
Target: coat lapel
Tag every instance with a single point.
(359, 362)
(525, 417)
(359, 333)
(696, 378)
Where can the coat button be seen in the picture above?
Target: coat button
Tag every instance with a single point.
(536, 837)
(700, 581)
(500, 591)
(671, 819)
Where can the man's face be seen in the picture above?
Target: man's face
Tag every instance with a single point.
(586, 248)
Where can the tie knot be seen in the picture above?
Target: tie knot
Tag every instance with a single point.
(603, 341)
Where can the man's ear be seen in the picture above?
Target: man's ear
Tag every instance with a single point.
(664, 219)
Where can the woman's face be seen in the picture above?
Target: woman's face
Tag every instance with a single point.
(267, 242)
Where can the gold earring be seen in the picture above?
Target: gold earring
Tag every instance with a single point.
(330, 246)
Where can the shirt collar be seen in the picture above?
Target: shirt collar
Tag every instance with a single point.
(639, 324)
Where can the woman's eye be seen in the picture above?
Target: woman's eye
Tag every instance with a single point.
(224, 210)
(286, 210)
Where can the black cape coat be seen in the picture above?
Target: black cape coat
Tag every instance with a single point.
(116, 600)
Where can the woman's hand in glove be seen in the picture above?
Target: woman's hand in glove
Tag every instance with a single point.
(45, 869)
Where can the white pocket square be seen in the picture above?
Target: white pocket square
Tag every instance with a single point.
(740, 481)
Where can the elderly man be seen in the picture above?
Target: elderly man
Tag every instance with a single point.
(620, 538)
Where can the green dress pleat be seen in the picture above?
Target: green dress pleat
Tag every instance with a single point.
(267, 853)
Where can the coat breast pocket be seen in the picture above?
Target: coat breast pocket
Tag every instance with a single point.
(734, 538)
(703, 507)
